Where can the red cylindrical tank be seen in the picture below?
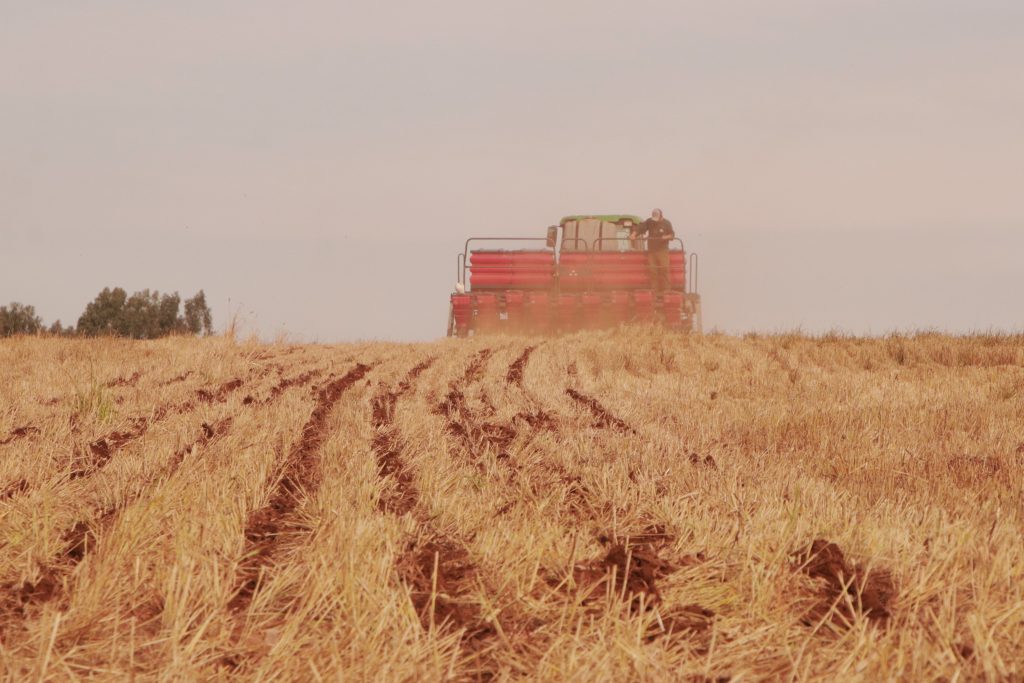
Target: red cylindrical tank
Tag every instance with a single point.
(643, 306)
(462, 306)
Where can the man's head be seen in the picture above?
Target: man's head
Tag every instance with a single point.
(656, 214)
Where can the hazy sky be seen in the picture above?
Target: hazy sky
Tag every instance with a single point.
(316, 166)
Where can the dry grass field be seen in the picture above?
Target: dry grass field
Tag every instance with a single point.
(622, 505)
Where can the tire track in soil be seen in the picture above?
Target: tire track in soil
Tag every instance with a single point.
(129, 381)
(632, 565)
(387, 445)
(299, 477)
(17, 599)
(514, 376)
(602, 416)
(435, 568)
(80, 538)
(179, 378)
(282, 386)
(19, 433)
(468, 427)
(102, 450)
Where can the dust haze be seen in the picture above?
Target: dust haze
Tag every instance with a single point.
(854, 166)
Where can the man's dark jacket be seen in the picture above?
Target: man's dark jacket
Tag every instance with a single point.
(658, 233)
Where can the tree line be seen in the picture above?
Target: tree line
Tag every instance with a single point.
(143, 315)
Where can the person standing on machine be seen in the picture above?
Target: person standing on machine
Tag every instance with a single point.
(658, 231)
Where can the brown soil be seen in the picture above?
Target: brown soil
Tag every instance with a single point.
(14, 488)
(179, 378)
(706, 461)
(287, 383)
(514, 376)
(387, 447)
(475, 436)
(221, 393)
(124, 381)
(629, 570)
(601, 414)
(19, 433)
(465, 425)
(539, 420)
(475, 369)
(103, 449)
(209, 433)
(300, 476)
(846, 589)
(441, 577)
(17, 597)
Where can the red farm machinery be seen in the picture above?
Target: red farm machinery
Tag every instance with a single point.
(586, 273)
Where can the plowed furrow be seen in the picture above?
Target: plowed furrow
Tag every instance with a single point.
(514, 376)
(387, 445)
(441, 578)
(102, 450)
(299, 476)
(80, 538)
(474, 434)
(19, 433)
(177, 378)
(285, 384)
(129, 381)
(603, 418)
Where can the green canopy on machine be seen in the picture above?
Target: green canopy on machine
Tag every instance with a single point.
(611, 218)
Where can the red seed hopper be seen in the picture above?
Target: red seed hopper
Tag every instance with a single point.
(586, 273)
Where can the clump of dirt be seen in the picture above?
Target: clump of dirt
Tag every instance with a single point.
(209, 433)
(17, 596)
(440, 576)
(499, 436)
(475, 369)
(571, 370)
(124, 381)
(453, 404)
(285, 384)
(102, 449)
(629, 570)
(846, 589)
(221, 393)
(81, 537)
(539, 420)
(514, 376)
(14, 488)
(178, 378)
(707, 461)
(19, 433)
(603, 417)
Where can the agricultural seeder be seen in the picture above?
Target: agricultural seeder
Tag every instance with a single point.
(586, 273)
